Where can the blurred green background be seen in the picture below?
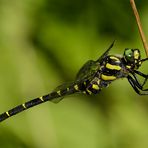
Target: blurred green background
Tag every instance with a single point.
(43, 43)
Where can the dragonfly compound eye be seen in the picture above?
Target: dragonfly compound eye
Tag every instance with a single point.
(129, 55)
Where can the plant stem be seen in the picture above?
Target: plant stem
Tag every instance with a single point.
(139, 26)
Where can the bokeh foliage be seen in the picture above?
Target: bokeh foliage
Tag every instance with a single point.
(43, 43)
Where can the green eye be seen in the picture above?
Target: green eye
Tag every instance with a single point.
(128, 53)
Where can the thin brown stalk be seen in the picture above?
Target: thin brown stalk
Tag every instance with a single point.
(139, 26)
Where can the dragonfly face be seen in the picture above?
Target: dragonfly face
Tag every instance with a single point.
(132, 57)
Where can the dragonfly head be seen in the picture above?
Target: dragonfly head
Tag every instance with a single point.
(132, 57)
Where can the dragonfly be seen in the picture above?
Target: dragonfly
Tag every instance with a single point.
(93, 77)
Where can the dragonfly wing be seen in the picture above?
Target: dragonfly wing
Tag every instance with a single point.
(66, 89)
(57, 100)
(105, 53)
(87, 70)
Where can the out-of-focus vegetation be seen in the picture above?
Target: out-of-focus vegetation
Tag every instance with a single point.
(43, 43)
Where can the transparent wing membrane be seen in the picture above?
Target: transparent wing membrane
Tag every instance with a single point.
(64, 89)
(87, 70)
(101, 58)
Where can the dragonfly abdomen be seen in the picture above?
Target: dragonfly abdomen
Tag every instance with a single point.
(53, 96)
(25, 106)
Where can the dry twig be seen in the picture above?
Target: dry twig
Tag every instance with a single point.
(139, 26)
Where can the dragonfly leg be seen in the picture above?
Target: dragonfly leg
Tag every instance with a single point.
(141, 74)
(136, 86)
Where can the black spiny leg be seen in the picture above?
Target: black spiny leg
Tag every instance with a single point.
(144, 60)
(143, 75)
(136, 86)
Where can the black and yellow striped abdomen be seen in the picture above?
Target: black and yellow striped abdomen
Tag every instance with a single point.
(54, 96)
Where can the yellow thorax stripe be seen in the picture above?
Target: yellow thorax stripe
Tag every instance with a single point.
(114, 58)
(128, 66)
(113, 67)
(105, 77)
(95, 86)
(89, 91)
(76, 87)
